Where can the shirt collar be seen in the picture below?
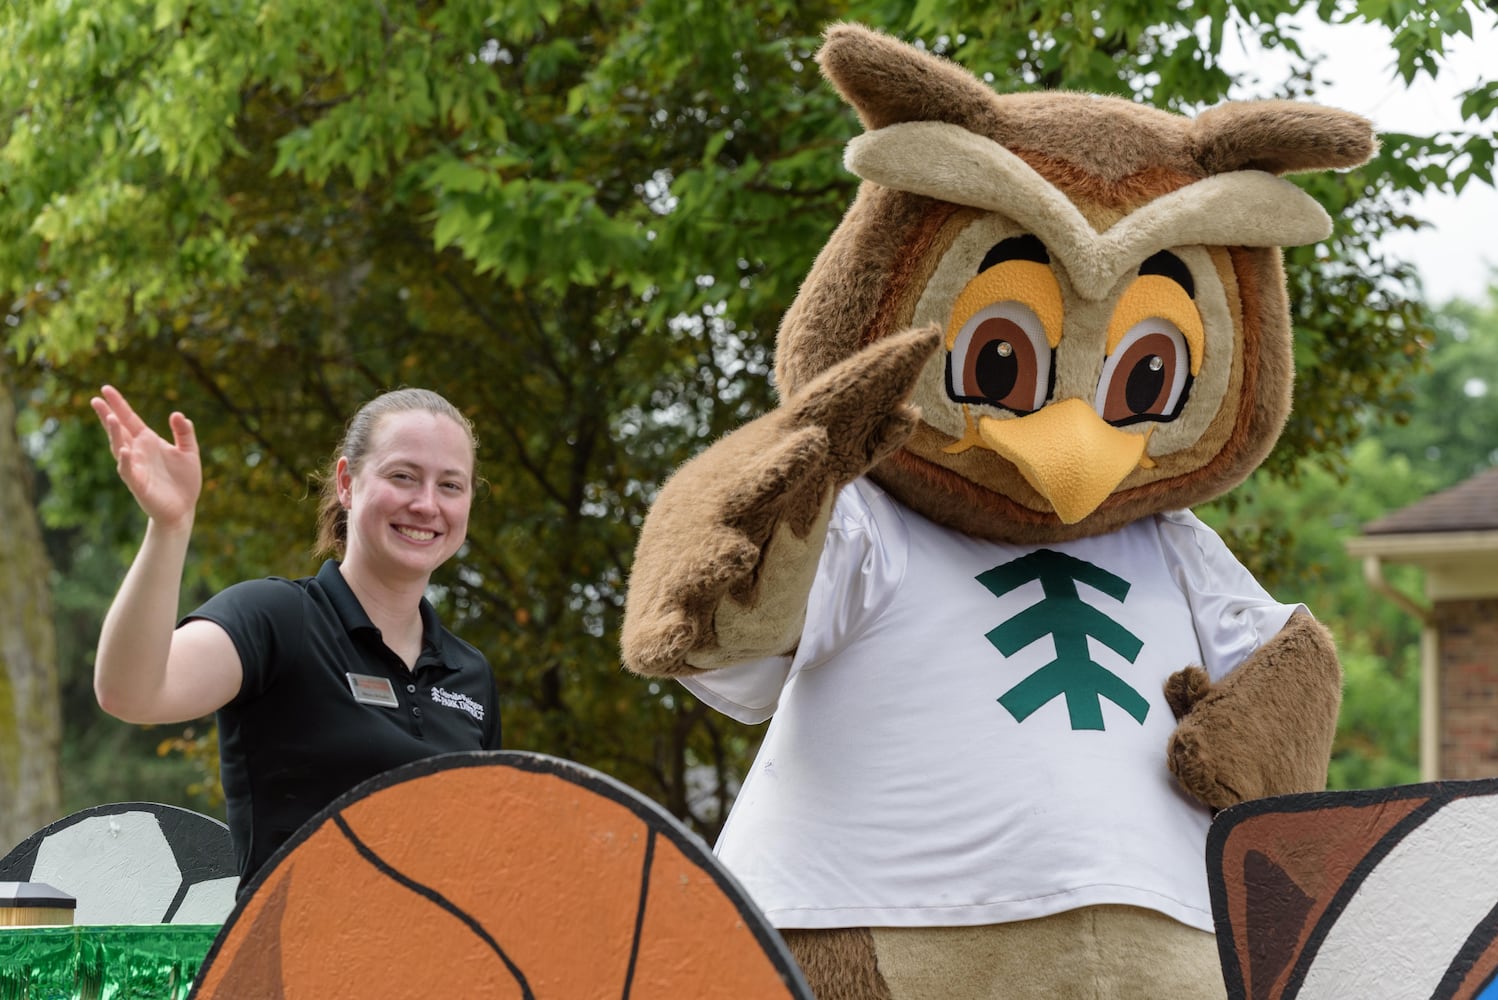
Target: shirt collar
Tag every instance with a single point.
(356, 619)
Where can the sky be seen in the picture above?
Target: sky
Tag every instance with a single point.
(1457, 257)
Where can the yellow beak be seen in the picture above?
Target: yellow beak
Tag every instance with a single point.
(1068, 453)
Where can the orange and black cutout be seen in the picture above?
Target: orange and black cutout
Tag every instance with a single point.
(501, 875)
(1375, 893)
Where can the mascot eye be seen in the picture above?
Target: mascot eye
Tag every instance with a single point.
(1147, 377)
(1001, 358)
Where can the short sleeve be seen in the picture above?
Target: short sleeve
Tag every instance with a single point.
(863, 561)
(747, 692)
(264, 620)
(1234, 615)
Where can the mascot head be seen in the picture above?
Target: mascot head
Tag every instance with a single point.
(1107, 277)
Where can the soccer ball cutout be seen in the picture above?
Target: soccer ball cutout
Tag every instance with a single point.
(133, 863)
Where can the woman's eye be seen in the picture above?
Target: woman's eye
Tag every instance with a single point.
(1001, 358)
(1147, 377)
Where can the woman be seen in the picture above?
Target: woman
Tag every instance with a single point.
(322, 682)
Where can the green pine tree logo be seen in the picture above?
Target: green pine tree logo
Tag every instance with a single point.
(1063, 615)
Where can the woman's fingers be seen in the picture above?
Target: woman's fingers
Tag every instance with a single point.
(111, 424)
(130, 422)
(124, 425)
(183, 435)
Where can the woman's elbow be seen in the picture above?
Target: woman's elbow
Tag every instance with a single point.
(116, 704)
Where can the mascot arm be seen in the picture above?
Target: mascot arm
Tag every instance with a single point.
(729, 550)
(1264, 729)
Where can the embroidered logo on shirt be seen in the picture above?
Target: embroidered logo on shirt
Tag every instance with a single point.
(450, 700)
(1069, 620)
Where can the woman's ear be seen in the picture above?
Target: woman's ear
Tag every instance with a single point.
(344, 478)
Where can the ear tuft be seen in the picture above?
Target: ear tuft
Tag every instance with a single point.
(888, 82)
(1280, 137)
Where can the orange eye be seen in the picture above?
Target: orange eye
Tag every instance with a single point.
(1001, 358)
(1147, 377)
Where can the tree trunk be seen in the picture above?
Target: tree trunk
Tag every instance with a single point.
(30, 728)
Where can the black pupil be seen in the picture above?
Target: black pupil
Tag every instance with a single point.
(1145, 385)
(997, 370)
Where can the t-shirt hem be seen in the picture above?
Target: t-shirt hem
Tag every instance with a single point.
(973, 914)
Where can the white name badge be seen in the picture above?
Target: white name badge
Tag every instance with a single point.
(373, 690)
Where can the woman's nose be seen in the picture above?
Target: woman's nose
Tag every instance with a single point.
(426, 497)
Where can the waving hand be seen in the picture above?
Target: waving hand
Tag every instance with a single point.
(164, 477)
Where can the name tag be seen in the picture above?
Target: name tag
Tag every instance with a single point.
(373, 690)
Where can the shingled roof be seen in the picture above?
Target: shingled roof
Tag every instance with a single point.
(1471, 505)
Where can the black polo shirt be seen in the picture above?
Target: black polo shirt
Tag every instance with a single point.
(325, 704)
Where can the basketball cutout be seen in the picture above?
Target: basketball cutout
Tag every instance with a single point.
(498, 874)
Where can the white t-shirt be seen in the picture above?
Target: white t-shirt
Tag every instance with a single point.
(974, 733)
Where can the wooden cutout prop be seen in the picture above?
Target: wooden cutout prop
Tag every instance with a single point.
(498, 875)
(133, 863)
(1379, 894)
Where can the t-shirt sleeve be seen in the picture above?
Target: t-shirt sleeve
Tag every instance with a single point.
(264, 620)
(748, 692)
(861, 565)
(1234, 615)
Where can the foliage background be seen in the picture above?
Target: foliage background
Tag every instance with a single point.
(581, 222)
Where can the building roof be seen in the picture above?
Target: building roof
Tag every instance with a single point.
(1471, 505)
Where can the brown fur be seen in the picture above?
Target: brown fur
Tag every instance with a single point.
(1266, 728)
(863, 285)
(1121, 195)
(1280, 137)
(708, 536)
(888, 82)
(1108, 139)
(838, 307)
(838, 964)
(1128, 953)
(725, 558)
(911, 271)
(843, 964)
(1106, 152)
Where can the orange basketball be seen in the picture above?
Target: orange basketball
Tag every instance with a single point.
(496, 875)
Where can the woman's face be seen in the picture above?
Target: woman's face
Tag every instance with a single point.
(409, 499)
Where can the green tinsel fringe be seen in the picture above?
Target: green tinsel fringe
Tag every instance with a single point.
(145, 962)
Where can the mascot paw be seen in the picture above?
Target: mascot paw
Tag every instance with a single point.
(1184, 688)
(861, 401)
(1198, 770)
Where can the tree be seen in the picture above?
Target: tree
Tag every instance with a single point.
(29, 720)
(89, 544)
(1448, 428)
(1441, 435)
(581, 222)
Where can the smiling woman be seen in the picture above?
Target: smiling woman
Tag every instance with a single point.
(322, 682)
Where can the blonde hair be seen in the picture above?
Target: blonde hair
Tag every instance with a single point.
(332, 518)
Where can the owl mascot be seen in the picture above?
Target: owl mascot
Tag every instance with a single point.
(1009, 675)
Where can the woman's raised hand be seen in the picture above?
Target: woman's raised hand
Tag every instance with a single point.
(164, 477)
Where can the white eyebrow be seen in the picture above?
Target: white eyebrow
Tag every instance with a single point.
(940, 160)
